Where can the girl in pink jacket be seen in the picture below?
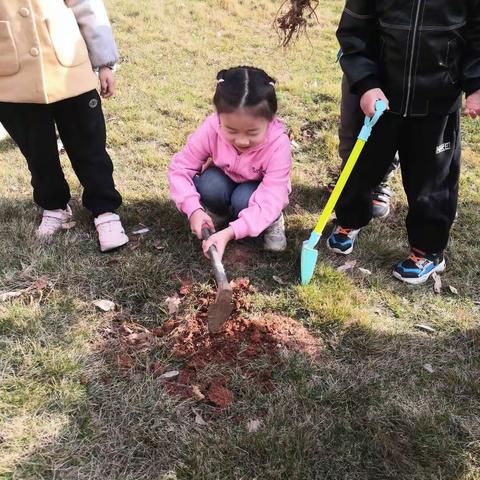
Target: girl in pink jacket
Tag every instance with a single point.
(235, 169)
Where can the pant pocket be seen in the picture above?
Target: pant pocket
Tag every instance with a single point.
(9, 64)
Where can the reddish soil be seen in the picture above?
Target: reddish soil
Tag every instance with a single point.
(242, 340)
(241, 255)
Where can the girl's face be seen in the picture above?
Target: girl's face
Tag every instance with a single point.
(243, 130)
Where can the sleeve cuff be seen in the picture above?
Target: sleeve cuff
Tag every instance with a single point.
(190, 206)
(362, 86)
(239, 228)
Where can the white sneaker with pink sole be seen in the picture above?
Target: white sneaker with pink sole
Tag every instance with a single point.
(111, 234)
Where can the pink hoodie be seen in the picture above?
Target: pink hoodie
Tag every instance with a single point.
(270, 162)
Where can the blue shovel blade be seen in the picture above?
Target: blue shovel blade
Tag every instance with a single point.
(308, 260)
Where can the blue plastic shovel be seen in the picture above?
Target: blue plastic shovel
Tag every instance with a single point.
(309, 253)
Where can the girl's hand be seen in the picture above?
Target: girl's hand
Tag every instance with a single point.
(199, 219)
(472, 105)
(107, 82)
(220, 240)
(367, 102)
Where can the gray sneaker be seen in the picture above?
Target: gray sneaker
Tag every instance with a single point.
(274, 239)
(381, 196)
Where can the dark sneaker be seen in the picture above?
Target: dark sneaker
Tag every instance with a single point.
(381, 201)
(380, 198)
(341, 240)
(418, 267)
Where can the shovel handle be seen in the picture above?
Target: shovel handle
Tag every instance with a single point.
(218, 269)
(380, 108)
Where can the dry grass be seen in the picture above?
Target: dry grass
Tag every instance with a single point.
(367, 410)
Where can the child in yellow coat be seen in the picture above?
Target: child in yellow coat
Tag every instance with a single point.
(49, 52)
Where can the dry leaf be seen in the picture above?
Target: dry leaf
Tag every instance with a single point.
(104, 305)
(124, 362)
(141, 231)
(428, 367)
(349, 265)
(25, 273)
(40, 283)
(253, 426)
(334, 341)
(84, 379)
(279, 280)
(165, 329)
(138, 338)
(9, 295)
(198, 418)
(197, 393)
(437, 283)
(241, 283)
(158, 244)
(453, 290)
(134, 242)
(125, 330)
(68, 225)
(185, 288)
(365, 271)
(169, 375)
(173, 304)
(425, 328)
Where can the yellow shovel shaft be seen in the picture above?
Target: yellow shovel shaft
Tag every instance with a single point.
(337, 191)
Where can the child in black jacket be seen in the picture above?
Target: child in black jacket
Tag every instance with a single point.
(418, 57)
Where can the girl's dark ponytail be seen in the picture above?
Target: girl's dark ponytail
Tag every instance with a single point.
(246, 87)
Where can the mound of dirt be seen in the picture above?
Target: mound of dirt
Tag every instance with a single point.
(243, 339)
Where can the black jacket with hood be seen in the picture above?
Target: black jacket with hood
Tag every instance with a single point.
(421, 53)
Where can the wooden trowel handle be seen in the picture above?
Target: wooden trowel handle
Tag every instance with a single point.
(218, 270)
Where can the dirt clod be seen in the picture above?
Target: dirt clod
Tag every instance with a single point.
(219, 395)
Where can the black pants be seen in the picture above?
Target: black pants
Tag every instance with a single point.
(81, 126)
(429, 151)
